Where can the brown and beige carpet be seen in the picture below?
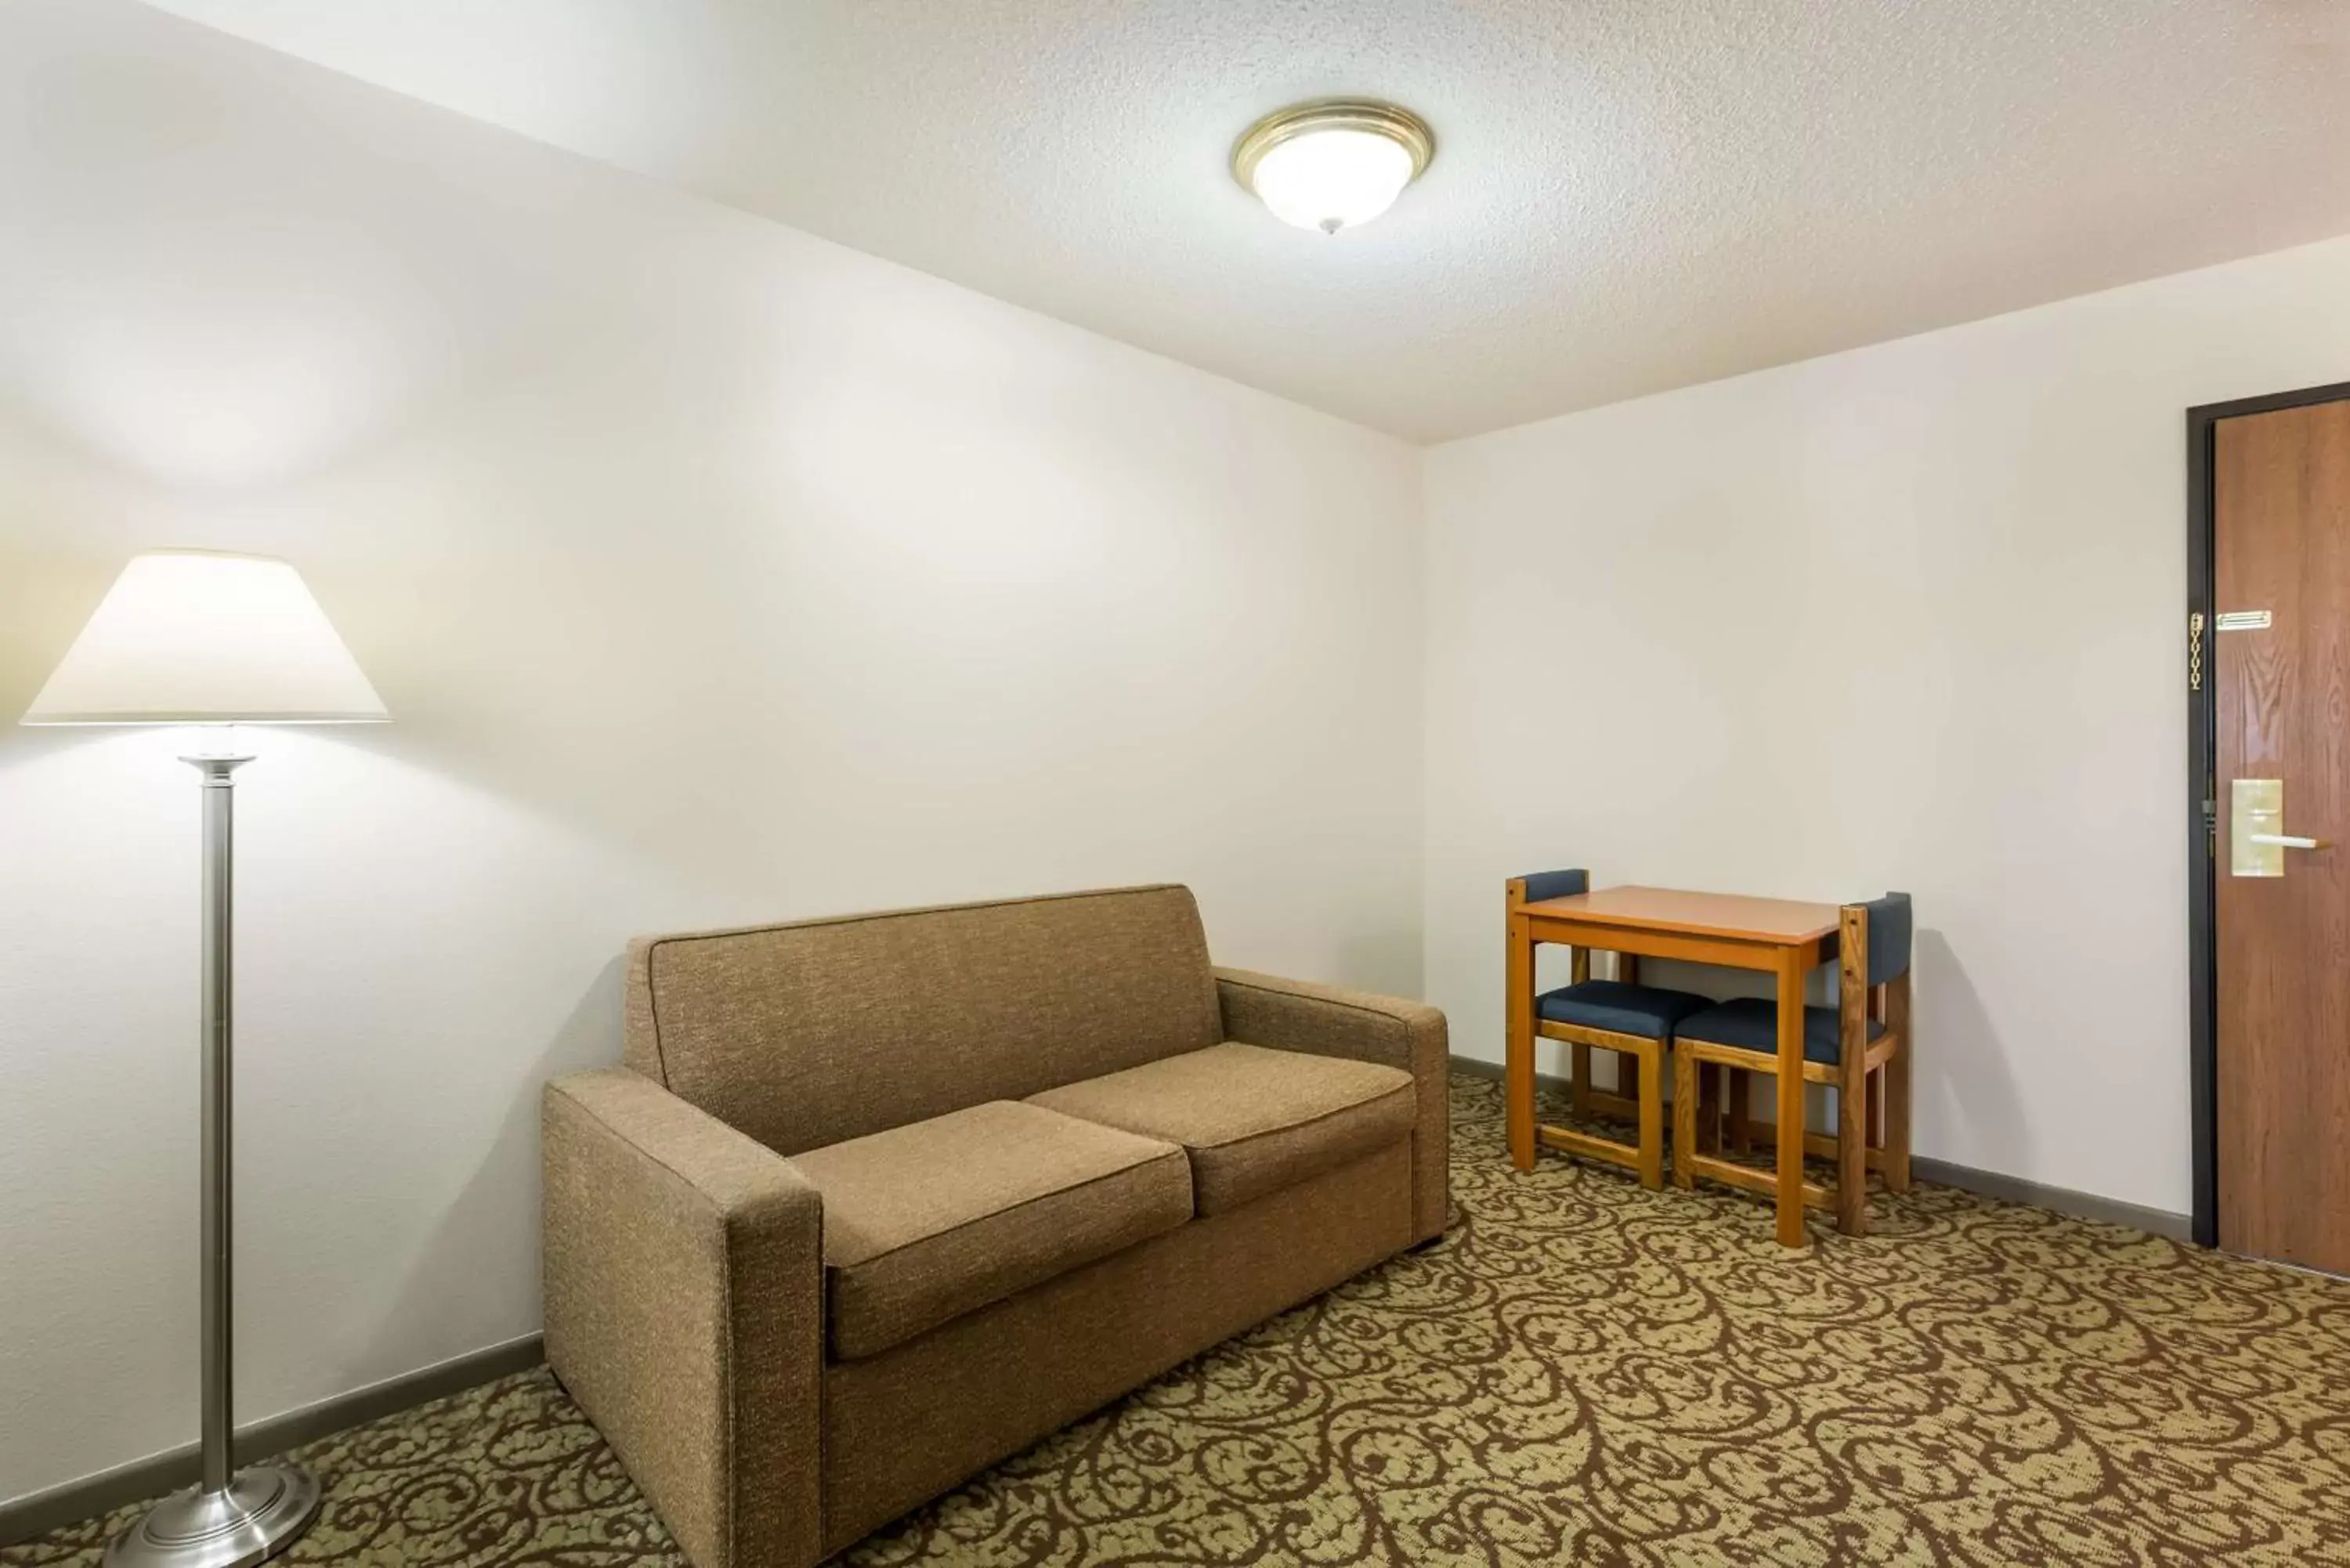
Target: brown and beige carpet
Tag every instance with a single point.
(1581, 1372)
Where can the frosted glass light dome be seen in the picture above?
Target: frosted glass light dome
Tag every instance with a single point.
(1333, 165)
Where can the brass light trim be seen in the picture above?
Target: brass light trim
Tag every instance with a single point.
(1400, 126)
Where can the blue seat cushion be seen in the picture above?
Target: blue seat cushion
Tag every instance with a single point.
(1647, 1011)
(1751, 1024)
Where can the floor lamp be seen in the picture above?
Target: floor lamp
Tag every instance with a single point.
(184, 638)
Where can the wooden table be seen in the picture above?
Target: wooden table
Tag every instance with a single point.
(1778, 937)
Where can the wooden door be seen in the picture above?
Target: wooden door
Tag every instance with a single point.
(2281, 527)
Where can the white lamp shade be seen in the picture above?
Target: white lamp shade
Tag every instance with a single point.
(185, 637)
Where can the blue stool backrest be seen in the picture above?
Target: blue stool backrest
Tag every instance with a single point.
(1540, 885)
(1888, 937)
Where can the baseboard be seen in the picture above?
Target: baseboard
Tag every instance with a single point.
(41, 1512)
(1476, 1068)
(1985, 1183)
(2063, 1199)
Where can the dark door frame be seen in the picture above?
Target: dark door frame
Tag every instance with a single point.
(2202, 790)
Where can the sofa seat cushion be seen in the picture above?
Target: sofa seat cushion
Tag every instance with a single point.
(925, 1223)
(1253, 1120)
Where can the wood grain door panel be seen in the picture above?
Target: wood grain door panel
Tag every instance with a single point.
(2280, 510)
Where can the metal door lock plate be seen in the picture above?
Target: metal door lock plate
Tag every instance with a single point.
(2256, 812)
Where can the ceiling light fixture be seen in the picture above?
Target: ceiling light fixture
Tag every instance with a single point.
(1330, 166)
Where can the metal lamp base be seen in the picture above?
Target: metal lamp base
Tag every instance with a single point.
(261, 1511)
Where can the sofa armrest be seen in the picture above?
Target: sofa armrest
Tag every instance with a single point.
(1326, 1020)
(684, 1309)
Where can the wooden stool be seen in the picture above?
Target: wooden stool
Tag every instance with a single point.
(1634, 1020)
(1860, 1047)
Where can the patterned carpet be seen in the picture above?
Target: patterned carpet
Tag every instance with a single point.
(1582, 1372)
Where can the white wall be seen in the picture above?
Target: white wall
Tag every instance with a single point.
(712, 573)
(1911, 616)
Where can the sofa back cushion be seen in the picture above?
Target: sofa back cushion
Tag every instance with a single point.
(810, 1033)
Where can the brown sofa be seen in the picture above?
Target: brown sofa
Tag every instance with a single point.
(876, 1201)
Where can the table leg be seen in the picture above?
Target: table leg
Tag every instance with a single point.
(1518, 1067)
(1852, 1074)
(1790, 1099)
(1578, 1055)
(1690, 1107)
(1650, 1079)
(1709, 1079)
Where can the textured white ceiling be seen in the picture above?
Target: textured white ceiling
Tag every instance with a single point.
(1628, 194)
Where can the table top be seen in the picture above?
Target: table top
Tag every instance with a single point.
(1708, 914)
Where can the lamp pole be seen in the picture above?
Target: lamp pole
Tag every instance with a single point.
(219, 1430)
(233, 1517)
(196, 637)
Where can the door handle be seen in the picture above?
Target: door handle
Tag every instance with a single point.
(2256, 838)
